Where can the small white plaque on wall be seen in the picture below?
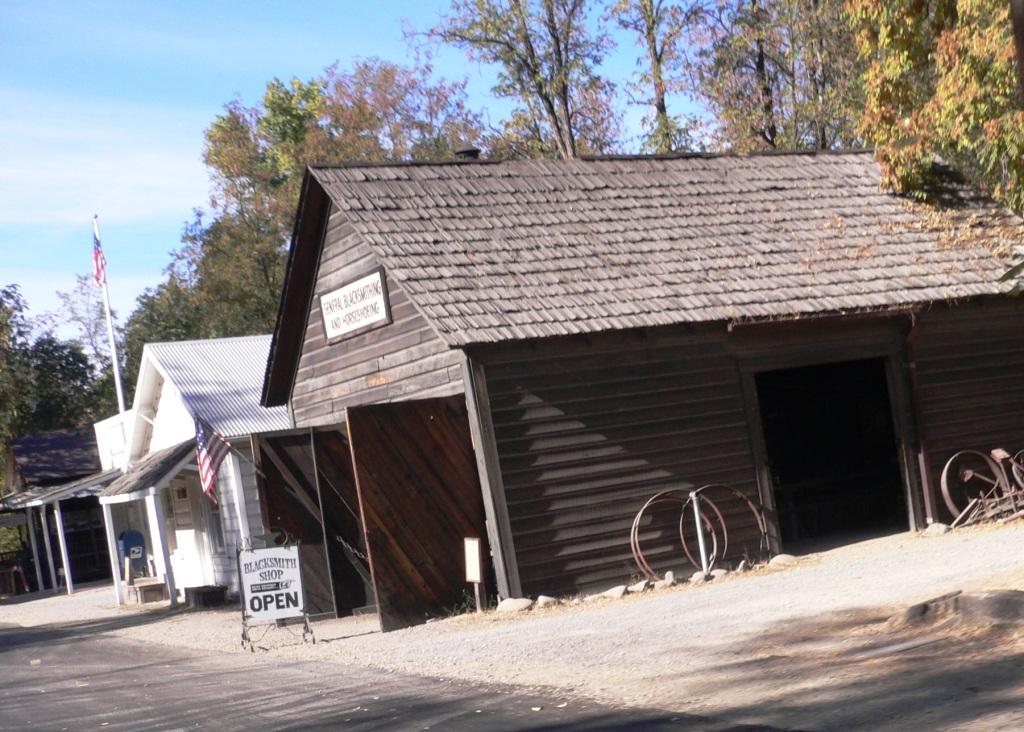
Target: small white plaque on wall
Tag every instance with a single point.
(356, 307)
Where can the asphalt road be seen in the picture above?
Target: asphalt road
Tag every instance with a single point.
(66, 678)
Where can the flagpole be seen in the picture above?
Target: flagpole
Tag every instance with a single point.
(110, 327)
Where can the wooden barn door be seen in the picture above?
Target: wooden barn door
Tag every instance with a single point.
(419, 497)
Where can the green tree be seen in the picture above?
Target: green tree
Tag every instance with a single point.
(660, 29)
(547, 53)
(15, 335)
(62, 388)
(45, 383)
(941, 81)
(777, 73)
(166, 312)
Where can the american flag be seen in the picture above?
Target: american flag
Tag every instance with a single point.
(99, 262)
(211, 449)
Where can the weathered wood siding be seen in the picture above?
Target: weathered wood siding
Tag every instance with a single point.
(970, 380)
(588, 430)
(400, 361)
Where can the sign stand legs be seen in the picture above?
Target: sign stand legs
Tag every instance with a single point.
(307, 629)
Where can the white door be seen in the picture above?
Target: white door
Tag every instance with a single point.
(187, 559)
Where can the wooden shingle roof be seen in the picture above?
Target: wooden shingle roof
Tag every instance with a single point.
(514, 250)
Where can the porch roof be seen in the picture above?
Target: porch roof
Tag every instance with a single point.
(148, 474)
(90, 485)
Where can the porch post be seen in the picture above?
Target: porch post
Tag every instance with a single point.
(238, 490)
(158, 533)
(115, 562)
(35, 549)
(46, 546)
(59, 518)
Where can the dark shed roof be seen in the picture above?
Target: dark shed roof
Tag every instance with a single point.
(90, 485)
(490, 252)
(47, 458)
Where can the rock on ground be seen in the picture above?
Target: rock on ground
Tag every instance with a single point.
(783, 560)
(640, 586)
(613, 593)
(936, 529)
(546, 601)
(515, 605)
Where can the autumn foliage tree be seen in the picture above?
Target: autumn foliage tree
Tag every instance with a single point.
(226, 277)
(941, 81)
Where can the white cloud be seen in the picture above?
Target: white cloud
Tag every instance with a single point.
(66, 159)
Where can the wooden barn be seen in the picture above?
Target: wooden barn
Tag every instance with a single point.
(530, 350)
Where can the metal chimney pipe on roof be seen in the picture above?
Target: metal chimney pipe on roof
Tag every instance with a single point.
(467, 152)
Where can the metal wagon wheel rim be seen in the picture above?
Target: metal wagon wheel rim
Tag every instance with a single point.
(758, 513)
(993, 481)
(634, 533)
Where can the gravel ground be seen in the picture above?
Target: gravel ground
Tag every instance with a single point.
(787, 643)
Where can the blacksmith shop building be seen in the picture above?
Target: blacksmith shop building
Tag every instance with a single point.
(527, 351)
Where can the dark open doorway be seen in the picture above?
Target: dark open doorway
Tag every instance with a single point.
(832, 451)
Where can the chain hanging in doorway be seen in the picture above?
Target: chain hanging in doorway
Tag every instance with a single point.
(354, 551)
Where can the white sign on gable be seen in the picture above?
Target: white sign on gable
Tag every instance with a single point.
(357, 306)
(271, 583)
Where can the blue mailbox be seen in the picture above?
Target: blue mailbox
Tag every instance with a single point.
(132, 544)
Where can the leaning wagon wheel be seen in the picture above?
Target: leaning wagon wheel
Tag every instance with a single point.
(968, 475)
(634, 533)
(1017, 468)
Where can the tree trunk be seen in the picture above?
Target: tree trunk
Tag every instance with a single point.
(561, 79)
(661, 120)
(768, 130)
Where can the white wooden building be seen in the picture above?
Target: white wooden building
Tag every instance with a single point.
(190, 541)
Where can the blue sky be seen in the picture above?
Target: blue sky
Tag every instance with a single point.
(103, 107)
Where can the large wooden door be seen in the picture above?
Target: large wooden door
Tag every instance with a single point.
(419, 496)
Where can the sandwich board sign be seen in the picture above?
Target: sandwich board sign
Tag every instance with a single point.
(271, 587)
